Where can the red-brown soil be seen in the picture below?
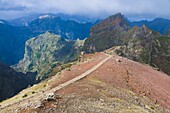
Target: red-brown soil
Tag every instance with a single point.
(139, 78)
(142, 79)
(88, 61)
(119, 85)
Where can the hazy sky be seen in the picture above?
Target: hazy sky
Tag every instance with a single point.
(133, 9)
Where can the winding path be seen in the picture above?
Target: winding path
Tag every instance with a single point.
(81, 76)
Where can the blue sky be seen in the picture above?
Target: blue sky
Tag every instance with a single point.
(133, 9)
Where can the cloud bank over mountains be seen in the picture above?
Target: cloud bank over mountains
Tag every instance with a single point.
(134, 9)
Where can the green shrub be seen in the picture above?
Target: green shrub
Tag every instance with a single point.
(25, 95)
(152, 108)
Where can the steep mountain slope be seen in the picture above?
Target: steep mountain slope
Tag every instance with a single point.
(118, 85)
(12, 40)
(46, 51)
(12, 82)
(106, 33)
(137, 43)
(160, 25)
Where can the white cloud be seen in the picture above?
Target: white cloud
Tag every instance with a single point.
(131, 8)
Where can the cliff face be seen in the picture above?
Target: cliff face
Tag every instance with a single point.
(136, 43)
(12, 41)
(107, 33)
(12, 82)
(46, 51)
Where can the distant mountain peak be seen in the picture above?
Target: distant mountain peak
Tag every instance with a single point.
(160, 19)
(145, 28)
(1, 22)
(116, 16)
(106, 33)
(45, 16)
(117, 20)
(160, 25)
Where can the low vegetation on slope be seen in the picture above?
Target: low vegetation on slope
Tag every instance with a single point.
(119, 85)
(47, 51)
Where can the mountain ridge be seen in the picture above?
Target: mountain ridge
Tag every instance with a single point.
(131, 91)
(137, 43)
(160, 25)
(46, 51)
(95, 82)
(12, 40)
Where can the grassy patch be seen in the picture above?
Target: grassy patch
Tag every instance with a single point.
(25, 95)
(59, 69)
(95, 80)
(152, 108)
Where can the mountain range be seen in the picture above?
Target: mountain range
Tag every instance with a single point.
(122, 66)
(137, 43)
(25, 21)
(13, 38)
(68, 27)
(160, 25)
